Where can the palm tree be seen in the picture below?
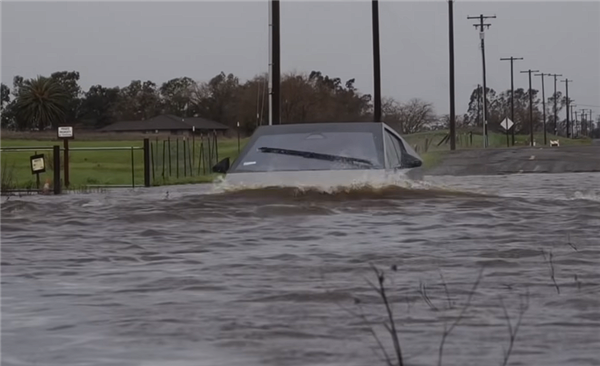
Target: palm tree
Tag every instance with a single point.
(41, 102)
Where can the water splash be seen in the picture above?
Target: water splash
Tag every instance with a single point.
(587, 196)
(392, 187)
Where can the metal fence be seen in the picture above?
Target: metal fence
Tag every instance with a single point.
(163, 160)
(185, 157)
(60, 153)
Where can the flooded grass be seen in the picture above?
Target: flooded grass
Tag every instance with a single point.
(8, 178)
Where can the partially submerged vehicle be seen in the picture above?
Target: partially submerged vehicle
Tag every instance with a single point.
(316, 154)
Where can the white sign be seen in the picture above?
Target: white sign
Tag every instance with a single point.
(37, 164)
(507, 123)
(65, 132)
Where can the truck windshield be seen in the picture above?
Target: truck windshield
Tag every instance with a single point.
(311, 151)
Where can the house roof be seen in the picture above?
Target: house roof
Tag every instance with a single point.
(165, 122)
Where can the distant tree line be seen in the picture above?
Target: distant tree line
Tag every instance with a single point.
(499, 107)
(45, 102)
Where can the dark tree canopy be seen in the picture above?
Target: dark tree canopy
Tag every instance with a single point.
(305, 97)
(42, 102)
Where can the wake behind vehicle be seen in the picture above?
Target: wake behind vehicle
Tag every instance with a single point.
(317, 154)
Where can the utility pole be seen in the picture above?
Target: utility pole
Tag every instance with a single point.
(543, 105)
(579, 127)
(376, 63)
(270, 82)
(574, 124)
(555, 101)
(590, 124)
(481, 26)
(573, 117)
(566, 81)
(512, 93)
(530, 105)
(274, 65)
(452, 103)
(587, 122)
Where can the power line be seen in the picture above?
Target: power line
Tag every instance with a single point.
(481, 26)
(512, 92)
(530, 105)
(589, 105)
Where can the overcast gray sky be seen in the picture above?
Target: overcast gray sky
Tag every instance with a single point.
(111, 43)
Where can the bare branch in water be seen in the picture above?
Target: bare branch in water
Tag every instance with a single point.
(423, 292)
(447, 331)
(446, 290)
(363, 317)
(570, 243)
(391, 327)
(386, 357)
(513, 331)
(551, 264)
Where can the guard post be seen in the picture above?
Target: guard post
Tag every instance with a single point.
(66, 133)
(147, 162)
(56, 157)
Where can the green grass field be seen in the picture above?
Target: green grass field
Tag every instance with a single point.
(98, 168)
(105, 167)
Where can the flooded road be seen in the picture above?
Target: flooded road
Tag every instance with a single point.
(189, 276)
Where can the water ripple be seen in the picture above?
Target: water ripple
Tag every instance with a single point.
(277, 276)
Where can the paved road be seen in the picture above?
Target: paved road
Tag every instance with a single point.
(564, 159)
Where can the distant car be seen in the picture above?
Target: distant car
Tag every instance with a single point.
(315, 154)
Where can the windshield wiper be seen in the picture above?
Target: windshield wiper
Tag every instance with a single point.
(313, 155)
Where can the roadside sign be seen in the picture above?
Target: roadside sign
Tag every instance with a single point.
(65, 132)
(506, 123)
(38, 164)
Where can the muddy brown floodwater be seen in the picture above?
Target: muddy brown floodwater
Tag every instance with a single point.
(272, 276)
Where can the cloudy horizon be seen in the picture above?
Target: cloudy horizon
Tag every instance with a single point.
(113, 43)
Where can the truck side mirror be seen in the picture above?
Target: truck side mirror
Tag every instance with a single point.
(221, 167)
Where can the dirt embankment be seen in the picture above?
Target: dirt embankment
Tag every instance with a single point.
(564, 159)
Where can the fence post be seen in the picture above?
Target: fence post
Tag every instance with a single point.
(184, 158)
(147, 162)
(132, 170)
(66, 148)
(56, 156)
(216, 148)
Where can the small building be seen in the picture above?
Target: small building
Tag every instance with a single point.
(167, 123)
